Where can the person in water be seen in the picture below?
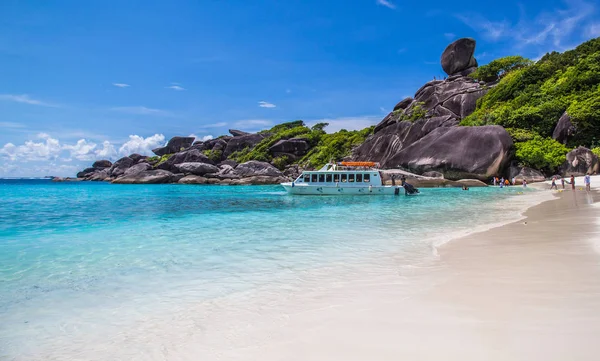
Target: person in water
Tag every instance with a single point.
(402, 180)
(524, 183)
(495, 180)
(587, 181)
(506, 182)
(465, 188)
(572, 182)
(553, 183)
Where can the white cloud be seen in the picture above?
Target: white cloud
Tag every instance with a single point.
(121, 85)
(48, 149)
(387, 4)
(593, 30)
(204, 138)
(141, 145)
(25, 99)
(108, 151)
(548, 29)
(264, 104)
(449, 36)
(176, 87)
(82, 150)
(139, 110)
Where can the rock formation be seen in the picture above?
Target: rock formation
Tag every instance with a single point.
(564, 129)
(422, 134)
(174, 145)
(580, 161)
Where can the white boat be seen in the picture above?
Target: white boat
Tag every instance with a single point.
(345, 178)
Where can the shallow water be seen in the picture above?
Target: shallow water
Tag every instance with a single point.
(86, 258)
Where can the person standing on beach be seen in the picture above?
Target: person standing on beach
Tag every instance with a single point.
(587, 182)
(562, 182)
(514, 181)
(572, 182)
(495, 180)
(524, 183)
(553, 183)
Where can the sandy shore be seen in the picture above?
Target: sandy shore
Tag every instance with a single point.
(529, 290)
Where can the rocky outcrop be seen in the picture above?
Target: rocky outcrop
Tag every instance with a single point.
(564, 129)
(193, 179)
(102, 164)
(458, 57)
(137, 168)
(580, 161)
(174, 145)
(457, 152)
(242, 142)
(525, 173)
(188, 156)
(196, 168)
(255, 168)
(156, 176)
(294, 147)
(120, 166)
(138, 157)
(258, 180)
(237, 133)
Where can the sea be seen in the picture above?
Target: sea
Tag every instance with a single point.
(87, 267)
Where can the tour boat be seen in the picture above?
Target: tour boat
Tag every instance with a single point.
(345, 178)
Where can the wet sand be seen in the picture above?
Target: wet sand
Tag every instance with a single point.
(529, 290)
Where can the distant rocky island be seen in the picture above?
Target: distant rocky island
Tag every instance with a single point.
(510, 118)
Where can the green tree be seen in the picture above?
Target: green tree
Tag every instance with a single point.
(497, 68)
(545, 154)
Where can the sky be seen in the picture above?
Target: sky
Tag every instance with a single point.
(87, 80)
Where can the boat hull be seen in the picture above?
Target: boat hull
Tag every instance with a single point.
(341, 190)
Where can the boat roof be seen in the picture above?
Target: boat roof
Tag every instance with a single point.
(349, 166)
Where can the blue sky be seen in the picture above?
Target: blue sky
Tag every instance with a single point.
(84, 80)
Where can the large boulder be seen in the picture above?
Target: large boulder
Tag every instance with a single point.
(156, 176)
(564, 129)
(580, 161)
(101, 175)
(237, 133)
(137, 168)
(193, 179)
(256, 168)
(120, 166)
(188, 156)
(138, 157)
(294, 146)
(457, 152)
(86, 172)
(458, 56)
(196, 168)
(174, 145)
(242, 142)
(525, 173)
(102, 164)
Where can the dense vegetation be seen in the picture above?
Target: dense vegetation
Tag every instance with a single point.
(532, 97)
(323, 147)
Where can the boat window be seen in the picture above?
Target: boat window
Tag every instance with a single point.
(344, 177)
(359, 178)
(351, 178)
(321, 178)
(306, 178)
(314, 178)
(367, 178)
(328, 178)
(336, 178)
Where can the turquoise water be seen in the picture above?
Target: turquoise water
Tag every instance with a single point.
(90, 254)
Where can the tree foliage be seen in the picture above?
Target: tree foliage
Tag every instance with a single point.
(499, 67)
(541, 153)
(534, 96)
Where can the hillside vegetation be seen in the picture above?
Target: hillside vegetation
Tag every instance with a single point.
(529, 98)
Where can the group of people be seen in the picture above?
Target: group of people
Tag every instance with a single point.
(586, 180)
(505, 182)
